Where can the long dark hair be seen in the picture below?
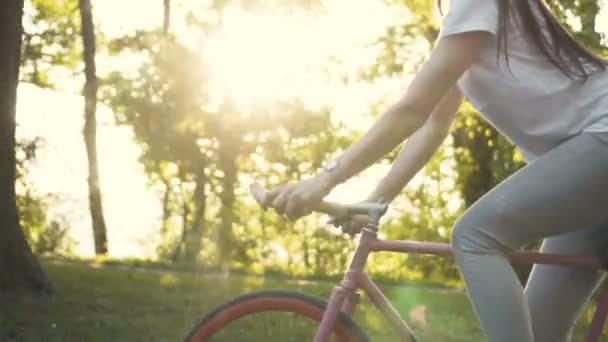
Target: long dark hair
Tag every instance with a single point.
(544, 30)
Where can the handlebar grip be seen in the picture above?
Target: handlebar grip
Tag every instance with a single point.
(332, 209)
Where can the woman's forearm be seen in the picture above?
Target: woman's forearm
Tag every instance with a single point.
(419, 149)
(396, 125)
(449, 60)
(416, 152)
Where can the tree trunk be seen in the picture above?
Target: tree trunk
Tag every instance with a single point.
(166, 16)
(181, 242)
(90, 128)
(166, 199)
(480, 179)
(166, 210)
(228, 152)
(318, 259)
(195, 233)
(306, 253)
(19, 269)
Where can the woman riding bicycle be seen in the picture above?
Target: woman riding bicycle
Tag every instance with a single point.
(549, 95)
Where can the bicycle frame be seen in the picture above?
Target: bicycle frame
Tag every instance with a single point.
(345, 297)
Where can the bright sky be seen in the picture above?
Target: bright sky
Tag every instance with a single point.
(132, 210)
(257, 58)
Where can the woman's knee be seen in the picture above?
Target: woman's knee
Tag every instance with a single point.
(465, 237)
(481, 230)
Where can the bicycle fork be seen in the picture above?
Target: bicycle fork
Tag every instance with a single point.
(344, 298)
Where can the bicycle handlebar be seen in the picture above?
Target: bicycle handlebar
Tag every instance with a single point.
(371, 209)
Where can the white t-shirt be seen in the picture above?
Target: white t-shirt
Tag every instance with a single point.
(533, 103)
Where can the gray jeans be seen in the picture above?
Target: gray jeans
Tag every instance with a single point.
(561, 198)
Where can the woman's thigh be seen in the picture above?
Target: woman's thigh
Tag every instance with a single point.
(557, 295)
(563, 191)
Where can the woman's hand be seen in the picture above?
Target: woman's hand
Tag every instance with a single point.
(351, 226)
(299, 199)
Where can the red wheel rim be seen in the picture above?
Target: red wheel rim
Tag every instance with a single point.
(264, 304)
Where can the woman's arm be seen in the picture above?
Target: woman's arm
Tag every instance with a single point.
(416, 152)
(419, 148)
(449, 60)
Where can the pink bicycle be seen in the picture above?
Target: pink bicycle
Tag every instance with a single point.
(304, 318)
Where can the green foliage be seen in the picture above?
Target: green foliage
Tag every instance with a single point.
(163, 102)
(200, 152)
(185, 134)
(485, 158)
(44, 235)
(583, 14)
(51, 33)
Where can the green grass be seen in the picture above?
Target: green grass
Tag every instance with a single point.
(110, 303)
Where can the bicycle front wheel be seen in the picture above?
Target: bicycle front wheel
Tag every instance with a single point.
(272, 316)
